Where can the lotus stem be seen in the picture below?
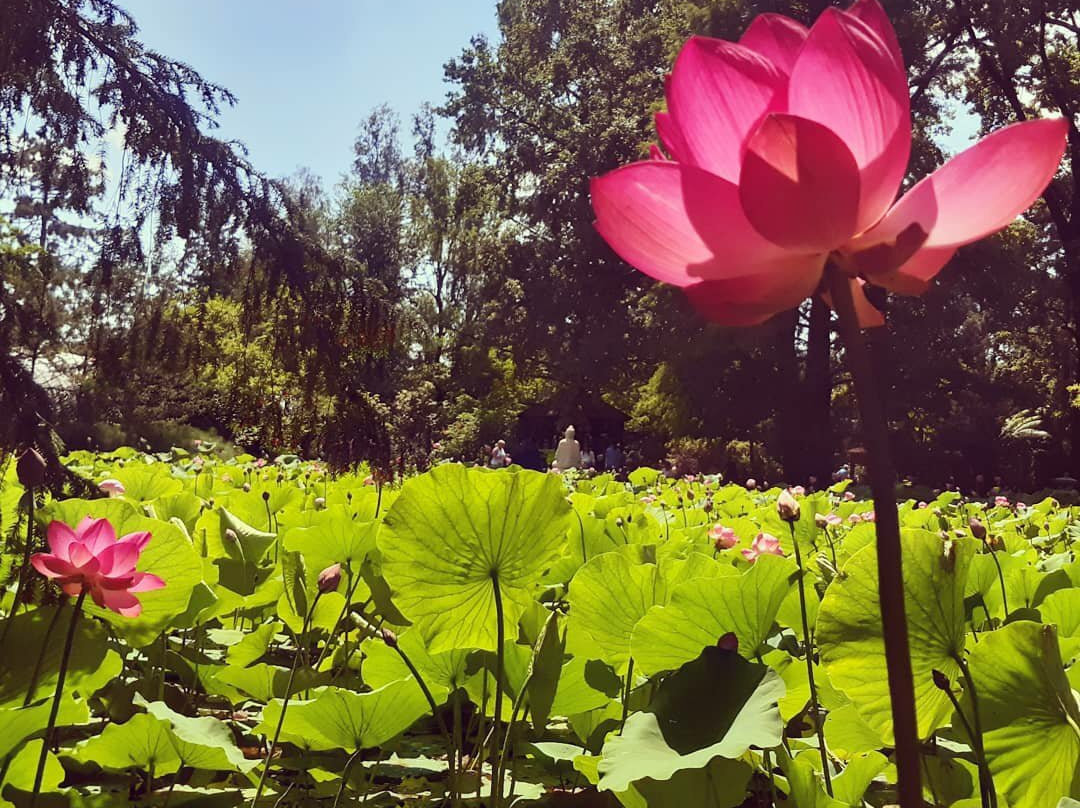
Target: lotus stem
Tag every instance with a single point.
(496, 769)
(815, 707)
(986, 780)
(626, 693)
(284, 703)
(890, 558)
(50, 728)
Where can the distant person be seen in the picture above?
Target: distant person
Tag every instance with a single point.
(613, 458)
(568, 452)
(588, 458)
(499, 457)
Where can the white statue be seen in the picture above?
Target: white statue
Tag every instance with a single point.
(568, 453)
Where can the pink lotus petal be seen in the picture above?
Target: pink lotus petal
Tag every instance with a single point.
(914, 275)
(670, 136)
(717, 93)
(60, 538)
(53, 566)
(118, 559)
(96, 534)
(868, 314)
(138, 539)
(799, 185)
(979, 191)
(753, 299)
(123, 603)
(872, 13)
(679, 224)
(655, 153)
(145, 582)
(80, 554)
(847, 79)
(777, 38)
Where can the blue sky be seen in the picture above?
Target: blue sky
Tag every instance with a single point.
(306, 73)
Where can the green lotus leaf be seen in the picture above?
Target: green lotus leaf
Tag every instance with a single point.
(443, 673)
(144, 483)
(584, 685)
(719, 705)
(719, 784)
(143, 742)
(1029, 716)
(804, 785)
(261, 682)
(19, 723)
(20, 772)
(253, 645)
(91, 666)
(455, 533)
(850, 637)
(702, 611)
(202, 743)
(342, 719)
(847, 735)
(332, 537)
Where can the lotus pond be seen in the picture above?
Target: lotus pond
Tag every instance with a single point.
(475, 637)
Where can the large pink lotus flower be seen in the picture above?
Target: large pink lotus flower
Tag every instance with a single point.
(788, 148)
(90, 557)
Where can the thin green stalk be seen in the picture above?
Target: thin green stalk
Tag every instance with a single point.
(815, 707)
(24, 570)
(626, 693)
(350, 588)
(889, 555)
(986, 780)
(496, 774)
(345, 777)
(31, 689)
(455, 751)
(1001, 581)
(284, 703)
(50, 728)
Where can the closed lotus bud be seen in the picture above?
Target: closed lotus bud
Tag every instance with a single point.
(30, 468)
(618, 521)
(941, 681)
(820, 520)
(230, 535)
(690, 495)
(707, 506)
(729, 642)
(751, 483)
(247, 488)
(266, 495)
(978, 529)
(320, 503)
(788, 507)
(329, 578)
(389, 637)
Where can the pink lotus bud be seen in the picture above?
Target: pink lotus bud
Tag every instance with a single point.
(1001, 502)
(848, 496)
(855, 518)
(30, 469)
(230, 535)
(723, 537)
(751, 484)
(729, 642)
(798, 491)
(921, 505)
(114, 488)
(788, 507)
(329, 578)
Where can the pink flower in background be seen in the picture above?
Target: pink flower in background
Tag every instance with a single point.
(751, 483)
(787, 149)
(723, 537)
(833, 520)
(114, 488)
(1001, 502)
(855, 518)
(90, 557)
(922, 504)
(763, 544)
(798, 491)
(259, 463)
(868, 516)
(848, 496)
(648, 499)
(369, 480)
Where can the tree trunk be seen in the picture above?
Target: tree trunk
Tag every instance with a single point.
(817, 395)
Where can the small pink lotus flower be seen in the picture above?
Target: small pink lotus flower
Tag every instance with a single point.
(723, 537)
(785, 151)
(868, 516)
(369, 480)
(848, 496)
(797, 491)
(855, 518)
(832, 520)
(1001, 502)
(648, 499)
(114, 488)
(259, 463)
(751, 484)
(922, 504)
(91, 558)
(763, 544)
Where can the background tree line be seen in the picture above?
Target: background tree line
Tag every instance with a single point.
(442, 286)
